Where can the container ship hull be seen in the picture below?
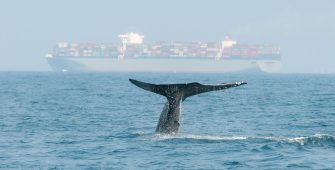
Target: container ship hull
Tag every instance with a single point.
(133, 55)
(163, 64)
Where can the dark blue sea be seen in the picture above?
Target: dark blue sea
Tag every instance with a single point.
(102, 121)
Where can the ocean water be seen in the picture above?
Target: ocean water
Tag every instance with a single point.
(101, 121)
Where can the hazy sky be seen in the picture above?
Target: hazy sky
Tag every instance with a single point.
(305, 30)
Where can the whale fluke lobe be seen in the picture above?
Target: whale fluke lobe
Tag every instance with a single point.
(159, 89)
(176, 94)
(197, 88)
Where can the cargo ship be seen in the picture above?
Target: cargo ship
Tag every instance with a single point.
(133, 55)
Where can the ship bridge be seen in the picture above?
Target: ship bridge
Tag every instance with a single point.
(129, 38)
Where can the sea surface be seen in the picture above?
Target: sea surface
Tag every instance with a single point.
(101, 121)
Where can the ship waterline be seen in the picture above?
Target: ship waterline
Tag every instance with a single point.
(167, 64)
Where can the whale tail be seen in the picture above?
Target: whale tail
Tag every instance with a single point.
(176, 93)
(183, 90)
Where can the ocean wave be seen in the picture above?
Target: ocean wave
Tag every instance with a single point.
(198, 137)
(317, 139)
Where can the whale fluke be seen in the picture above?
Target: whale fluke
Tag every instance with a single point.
(176, 94)
(187, 89)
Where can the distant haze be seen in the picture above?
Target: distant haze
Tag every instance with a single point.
(305, 30)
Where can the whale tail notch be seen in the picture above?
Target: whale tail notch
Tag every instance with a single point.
(186, 90)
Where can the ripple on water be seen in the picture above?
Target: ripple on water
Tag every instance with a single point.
(101, 121)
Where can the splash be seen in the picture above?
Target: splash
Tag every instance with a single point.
(198, 137)
(317, 139)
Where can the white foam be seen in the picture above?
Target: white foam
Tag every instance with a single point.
(300, 140)
(138, 133)
(197, 137)
(320, 135)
